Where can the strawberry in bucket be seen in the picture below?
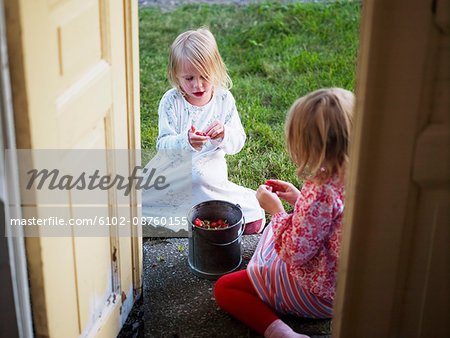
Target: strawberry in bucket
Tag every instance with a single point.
(219, 224)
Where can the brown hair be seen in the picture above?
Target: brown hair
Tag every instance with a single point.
(199, 47)
(317, 133)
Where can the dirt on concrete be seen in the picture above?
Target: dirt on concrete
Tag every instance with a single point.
(176, 303)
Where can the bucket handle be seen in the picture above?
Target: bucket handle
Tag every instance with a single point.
(234, 240)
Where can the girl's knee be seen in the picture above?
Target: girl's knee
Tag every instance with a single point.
(220, 290)
(198, 179)
(237, 280)
(221, 284)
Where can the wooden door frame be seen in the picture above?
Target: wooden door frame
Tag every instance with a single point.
(382, 244)
(131, 29)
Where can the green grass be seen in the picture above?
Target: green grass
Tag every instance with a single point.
(274, 54)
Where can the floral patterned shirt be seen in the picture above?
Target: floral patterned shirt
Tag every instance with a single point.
(308, 240)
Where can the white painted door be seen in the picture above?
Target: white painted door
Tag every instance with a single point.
(74, 76)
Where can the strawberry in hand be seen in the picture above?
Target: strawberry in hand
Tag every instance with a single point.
(198, 132)
(197, 138)
(273, 185)
(284, 190)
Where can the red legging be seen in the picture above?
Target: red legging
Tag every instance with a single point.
(235, 294)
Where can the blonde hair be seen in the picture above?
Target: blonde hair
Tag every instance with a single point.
(317, 133)
(199, 47)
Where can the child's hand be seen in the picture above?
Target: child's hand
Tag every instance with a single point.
(196, 139)
(215, 130)
(284, 190)
(268, 200)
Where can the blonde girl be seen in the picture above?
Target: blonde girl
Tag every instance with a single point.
(199, 115)
(293, 270)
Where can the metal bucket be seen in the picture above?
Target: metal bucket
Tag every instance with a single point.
(215, 252)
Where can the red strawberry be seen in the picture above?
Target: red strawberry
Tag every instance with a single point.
(193, 129)
(273, 185)
(219, 224)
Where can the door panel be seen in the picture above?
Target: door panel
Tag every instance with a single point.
(87, 101)
(78, 29)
